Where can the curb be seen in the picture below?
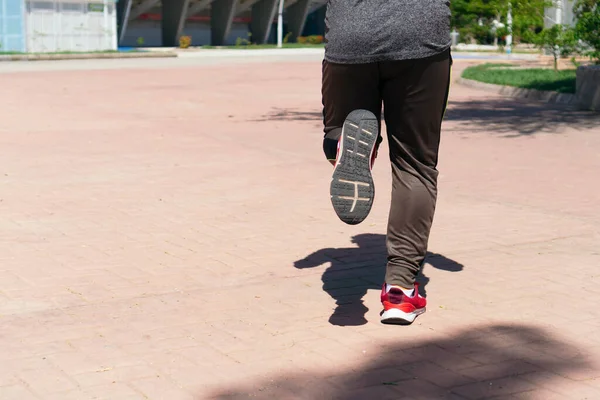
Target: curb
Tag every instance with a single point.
(84, 56)
(530, 94)
(217, 53)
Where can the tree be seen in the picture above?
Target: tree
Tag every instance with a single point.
(558, 40)
(474, 18)
(588, 25)
(528, 18)
(470, 18)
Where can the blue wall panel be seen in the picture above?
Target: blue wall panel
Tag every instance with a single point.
(12, 25)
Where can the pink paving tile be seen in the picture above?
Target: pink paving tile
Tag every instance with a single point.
(562, 385)
(17, 392)
(497, 387)
(160, 388)
(116, 391)
(153, 218)
(108, 375)
(47, 380)
(538, 394)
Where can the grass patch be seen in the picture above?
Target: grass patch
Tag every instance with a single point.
(562, 81)
(499, 51)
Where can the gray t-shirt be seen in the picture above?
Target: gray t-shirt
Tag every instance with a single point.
(363, 31)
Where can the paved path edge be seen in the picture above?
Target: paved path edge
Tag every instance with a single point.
(84, 56)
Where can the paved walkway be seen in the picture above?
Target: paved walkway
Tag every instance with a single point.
(166, 233)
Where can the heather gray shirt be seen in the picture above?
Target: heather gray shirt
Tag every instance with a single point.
(362, 31)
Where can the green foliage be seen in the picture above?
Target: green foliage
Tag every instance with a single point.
(243, 41)
(502, 32)
(140, 41)
(312, 39)
(528, 18)
(588, 25)
(466, 15)
(559, 40)
(480, 34)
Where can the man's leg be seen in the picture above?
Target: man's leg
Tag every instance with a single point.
(351, 111)
(415, 94)
(345, 88)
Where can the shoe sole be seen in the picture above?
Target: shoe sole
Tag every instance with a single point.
(352, 189)
(393, 316)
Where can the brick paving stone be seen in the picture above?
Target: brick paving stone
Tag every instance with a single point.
(160, 388)
(538, 394)
(113, 375)
(47, 380)
(377, 377)
(379, 392)
(117, 391)
(422, 389)
(75, 394)
(497, 387)
(442, 377)
(166, 232)
(562, 385)
(488, 372)
(16, 392)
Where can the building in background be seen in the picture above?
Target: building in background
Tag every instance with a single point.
(560, 13)
(43, 26)
(154, 23)
(12, 25)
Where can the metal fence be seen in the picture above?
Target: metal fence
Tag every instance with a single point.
(57, 26)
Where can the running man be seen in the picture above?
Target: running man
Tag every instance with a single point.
(394, 53)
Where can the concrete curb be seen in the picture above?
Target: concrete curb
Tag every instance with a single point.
(218, 53)
(84, 56)
(588, 87)
(530, 94)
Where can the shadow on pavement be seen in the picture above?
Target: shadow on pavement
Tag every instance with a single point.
(505, 115)
(511, 117)
(476, 363)
(288, 114)
(355, 270)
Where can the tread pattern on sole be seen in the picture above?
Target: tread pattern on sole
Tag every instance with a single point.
(352, 189)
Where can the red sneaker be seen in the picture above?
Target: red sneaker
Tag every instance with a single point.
(399, 308)
(374, 155)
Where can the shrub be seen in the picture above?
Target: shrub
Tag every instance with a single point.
(588, 26)
(313, 39)
(244, 42)
(559, 40)
(185, 41)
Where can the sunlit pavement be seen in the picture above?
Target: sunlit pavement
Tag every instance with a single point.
(166, 233)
